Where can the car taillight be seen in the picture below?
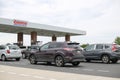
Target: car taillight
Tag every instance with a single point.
(114, 47)
(68, 49)
(8, 51)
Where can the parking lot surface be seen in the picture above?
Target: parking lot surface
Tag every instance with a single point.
(17, 73)
(95, 68)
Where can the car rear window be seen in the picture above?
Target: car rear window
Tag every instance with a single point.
(2, 47)
(73, 45)
(14, 47)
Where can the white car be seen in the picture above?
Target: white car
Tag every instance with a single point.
(10, 52)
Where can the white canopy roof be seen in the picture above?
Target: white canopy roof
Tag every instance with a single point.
(16, 26)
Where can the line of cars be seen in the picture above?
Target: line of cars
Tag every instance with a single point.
(72, 53)
(57, 52)
(62, 52)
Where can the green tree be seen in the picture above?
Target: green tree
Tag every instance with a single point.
(117, 40)
(84, 45)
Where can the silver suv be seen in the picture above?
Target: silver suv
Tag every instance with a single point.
(10, 52)
(104, 52)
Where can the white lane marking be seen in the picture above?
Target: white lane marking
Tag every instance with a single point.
(74, 68)
(52, 79)
(43, 78)
(12, 73)
(103, 70)
(39, 77)
(88, 69)
(98, 78)
(24, 75)
(91, 70)
(2, 71)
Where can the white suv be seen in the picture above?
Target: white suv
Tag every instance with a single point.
(10, 52)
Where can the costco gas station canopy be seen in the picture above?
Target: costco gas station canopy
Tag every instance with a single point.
(23, 27)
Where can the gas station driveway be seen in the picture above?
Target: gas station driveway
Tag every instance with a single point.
(16, 73)
(17, 70)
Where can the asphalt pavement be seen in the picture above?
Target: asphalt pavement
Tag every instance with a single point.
(95, 68)
(18, 73)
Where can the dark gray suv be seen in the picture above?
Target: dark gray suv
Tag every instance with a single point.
(59, 53)
(104, 52)
(26, 53)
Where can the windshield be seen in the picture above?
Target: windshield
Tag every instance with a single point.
(14, 47)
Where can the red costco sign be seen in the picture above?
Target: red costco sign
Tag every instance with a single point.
(19, 23)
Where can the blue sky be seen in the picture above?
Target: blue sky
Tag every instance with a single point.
(99, 18)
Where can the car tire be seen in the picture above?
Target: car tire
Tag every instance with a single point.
(23, 56)
(75, 63)
(114, 60)
(105, 59)
(32, 59)
(59, 61)
(3, 58)
(17, 59)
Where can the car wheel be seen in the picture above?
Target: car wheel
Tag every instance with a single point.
(3, 58)
(105, 59)
(32, 59)
(75, 63)
(23, 56)
(17, 59)
(59, 61)
(114, 60)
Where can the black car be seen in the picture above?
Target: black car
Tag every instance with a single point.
(26, 53)
(104, 52)
(59, 53)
